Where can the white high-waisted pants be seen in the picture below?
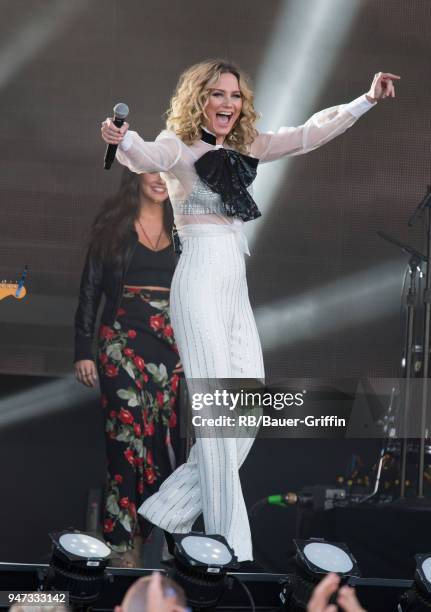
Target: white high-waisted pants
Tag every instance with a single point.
(217, 337)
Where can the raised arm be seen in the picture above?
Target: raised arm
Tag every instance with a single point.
(322, 126)
(139, 155)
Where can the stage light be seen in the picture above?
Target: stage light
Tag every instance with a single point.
(283, 96)
(206, 551)
(418, 597)
(77, 565)
(83, 545)
(331, 307)
(43, 399)
(320, 557)
(423, 572)
(39, 26)
(200, 565)
(314, 559)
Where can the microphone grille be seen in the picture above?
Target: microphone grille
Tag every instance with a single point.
(121, 110)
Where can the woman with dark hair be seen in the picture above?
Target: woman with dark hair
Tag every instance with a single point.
(209, 155)
(131, 261)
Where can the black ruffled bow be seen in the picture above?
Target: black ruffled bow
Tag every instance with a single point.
(229, 173)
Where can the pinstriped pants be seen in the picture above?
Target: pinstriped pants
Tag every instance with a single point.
(217, 338)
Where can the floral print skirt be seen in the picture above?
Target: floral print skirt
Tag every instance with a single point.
(139, 373)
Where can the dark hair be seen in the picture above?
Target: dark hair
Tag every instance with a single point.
(117, 217)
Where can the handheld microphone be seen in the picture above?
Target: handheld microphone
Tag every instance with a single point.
(121, 111)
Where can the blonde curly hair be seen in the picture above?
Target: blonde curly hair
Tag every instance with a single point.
(187, 109)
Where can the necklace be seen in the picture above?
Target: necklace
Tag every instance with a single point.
(154, 248)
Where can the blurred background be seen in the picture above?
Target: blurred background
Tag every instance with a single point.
(325, 288)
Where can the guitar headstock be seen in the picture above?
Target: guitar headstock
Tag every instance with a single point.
(12, 289)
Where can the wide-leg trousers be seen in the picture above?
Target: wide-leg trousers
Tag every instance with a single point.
(217, 337)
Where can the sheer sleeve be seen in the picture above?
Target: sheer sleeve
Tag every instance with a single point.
(141, 156)
(319, 129)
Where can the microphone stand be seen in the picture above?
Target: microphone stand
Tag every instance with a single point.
(415, 259)
(411, 305)
(424, 204)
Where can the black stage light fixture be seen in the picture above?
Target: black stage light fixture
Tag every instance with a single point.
(77, 565)
(314, 559)
(423, 573)
(200, 564)
(418, 597)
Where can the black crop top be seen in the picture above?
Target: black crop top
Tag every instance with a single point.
(153, 268)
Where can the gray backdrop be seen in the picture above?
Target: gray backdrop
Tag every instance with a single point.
(66, 64)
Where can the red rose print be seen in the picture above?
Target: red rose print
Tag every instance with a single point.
(156, 322)
(139, 384)
(106, 332)
(125, 416)
(168, 331)
(111, 370)
(103, 401)
(137, 429)
(132, 509)
(140, 487)
(108, 525)
(172, 401)
(129, 352)
(129, 456)
(160, 398)
(150, 475)
(103, 358)
(118, 478)
(139, 460)
(112, 414)
(133, 289)
(149, 457)
(139, 362)
(112, 435)
(124, 502)
(145, 377)
(149, 429)
(174, 382)
(121, 312)
(131, 333)
(172, 420)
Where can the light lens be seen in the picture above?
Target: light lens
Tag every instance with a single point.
(84, 545)
(426, 568)
(328, 557)
(206, 550)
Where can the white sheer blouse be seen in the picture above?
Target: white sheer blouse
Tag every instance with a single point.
(193, 202)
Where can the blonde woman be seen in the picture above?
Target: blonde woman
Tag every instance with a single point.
(208, 157)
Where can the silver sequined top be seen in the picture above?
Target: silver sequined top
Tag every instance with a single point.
(201, 201)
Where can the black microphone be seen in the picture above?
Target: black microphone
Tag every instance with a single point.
(121, 111)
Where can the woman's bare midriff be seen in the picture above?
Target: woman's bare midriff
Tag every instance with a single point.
(148, 287)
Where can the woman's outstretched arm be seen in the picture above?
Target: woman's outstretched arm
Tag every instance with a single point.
(139, 155)
(322, 126)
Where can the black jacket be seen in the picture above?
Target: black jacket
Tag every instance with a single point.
(99, 278)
